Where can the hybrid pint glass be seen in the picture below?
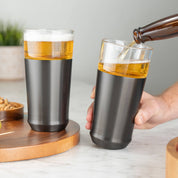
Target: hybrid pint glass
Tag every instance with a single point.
(122, 71)
(48, 63)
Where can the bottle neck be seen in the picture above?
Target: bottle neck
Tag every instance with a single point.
(139, 37)
(162, 29)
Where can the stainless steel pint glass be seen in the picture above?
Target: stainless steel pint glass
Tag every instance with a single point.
(122, 71)
(48, 64)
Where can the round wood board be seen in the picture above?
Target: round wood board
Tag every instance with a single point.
(172, 159)
(19, 142)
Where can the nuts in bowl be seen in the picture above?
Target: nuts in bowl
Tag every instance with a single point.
(6, 105)
(10, 110)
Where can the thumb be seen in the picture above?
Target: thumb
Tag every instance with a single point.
(147, 110)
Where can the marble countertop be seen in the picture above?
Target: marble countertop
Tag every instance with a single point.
(143, 158)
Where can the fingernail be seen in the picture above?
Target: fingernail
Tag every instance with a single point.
(87, 126)
(140, 120)
(93, 93)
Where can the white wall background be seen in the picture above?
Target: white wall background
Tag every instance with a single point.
(94, 20)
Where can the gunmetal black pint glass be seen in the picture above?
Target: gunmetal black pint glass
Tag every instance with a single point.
(48, 64)
(122, 71)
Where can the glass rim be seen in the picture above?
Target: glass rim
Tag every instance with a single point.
(112, 41)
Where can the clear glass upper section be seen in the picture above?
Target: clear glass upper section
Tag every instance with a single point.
(117, 51)
(48, 35)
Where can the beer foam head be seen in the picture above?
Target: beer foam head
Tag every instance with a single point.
(48, 35)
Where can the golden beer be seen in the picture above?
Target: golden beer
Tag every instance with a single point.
(131, 69)
(48, 50)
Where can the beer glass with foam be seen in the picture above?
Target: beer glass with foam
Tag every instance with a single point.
(122, 71)
(48, 64)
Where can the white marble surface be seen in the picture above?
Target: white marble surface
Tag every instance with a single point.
(143, 158)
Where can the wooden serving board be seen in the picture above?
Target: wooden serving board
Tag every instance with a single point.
(172, 159)
(19, 142)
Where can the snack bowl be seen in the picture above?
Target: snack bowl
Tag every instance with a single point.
(12, 114)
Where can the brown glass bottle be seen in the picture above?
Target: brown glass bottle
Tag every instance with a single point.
(158, 30)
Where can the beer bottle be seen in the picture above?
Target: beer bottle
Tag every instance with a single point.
(158, 30)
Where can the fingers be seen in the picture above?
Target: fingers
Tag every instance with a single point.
(89, 117)
(93, 93)
(88, 126)
(90, 111)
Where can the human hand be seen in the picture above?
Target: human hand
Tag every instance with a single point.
(90, 111)
(152, 111)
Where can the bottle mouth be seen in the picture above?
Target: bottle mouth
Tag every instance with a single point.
(136, 35)
(140, 37)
